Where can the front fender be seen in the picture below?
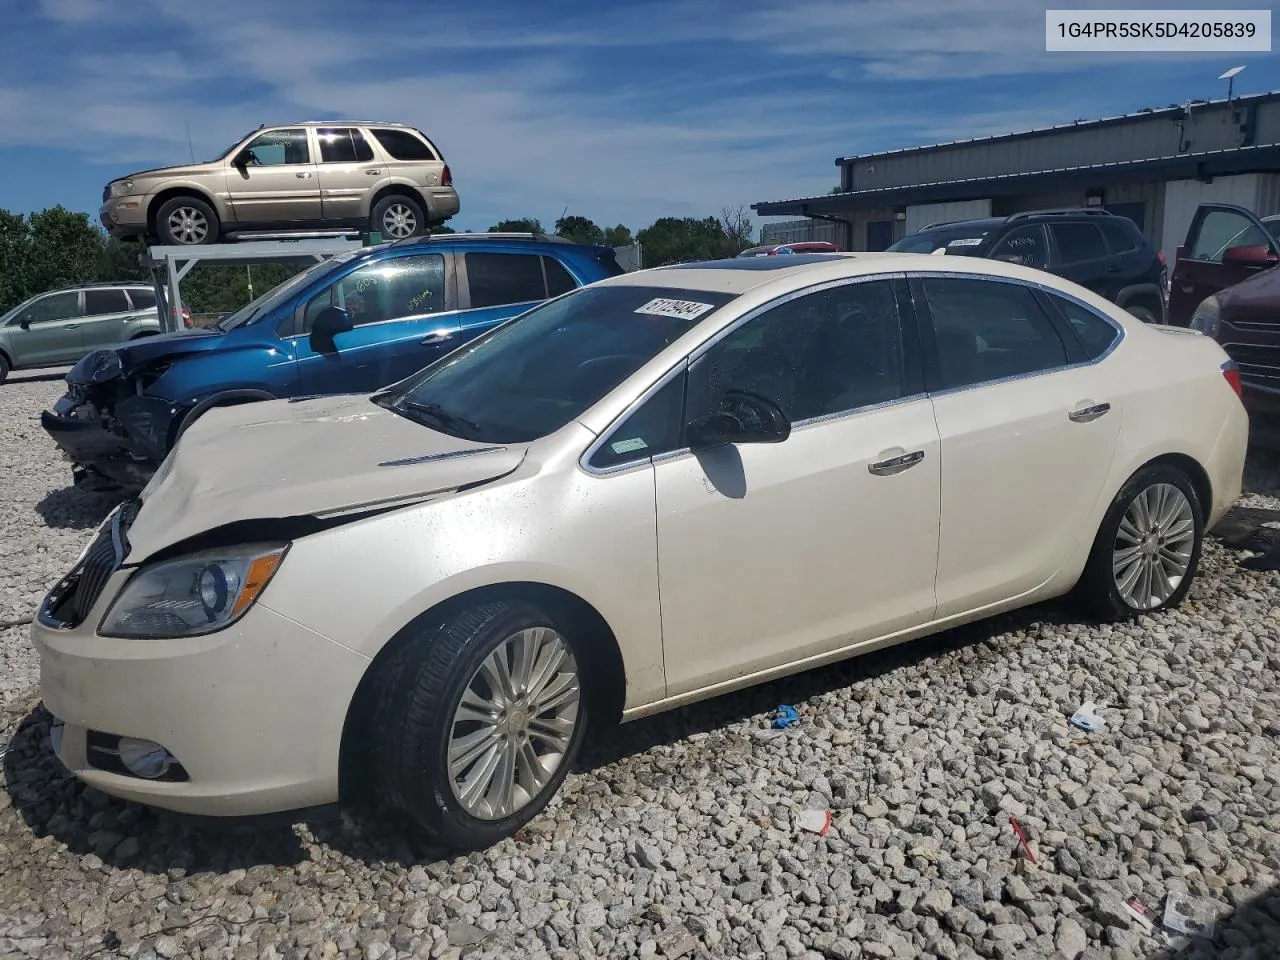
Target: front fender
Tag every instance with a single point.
(187, 414)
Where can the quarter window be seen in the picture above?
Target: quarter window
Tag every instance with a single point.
(345, 145)
(987, 330)
(1094, 333)
(143, 299)
(385, 290)
(558, 278)
(279, 148)
(651, 429)
(1122, 236)
(497, 279)
(56, 306)
(403, 145)
(1023, 245)
(99, 302)
(820, 354)
(1078, 242)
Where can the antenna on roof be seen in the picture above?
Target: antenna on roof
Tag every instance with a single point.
(1230, 77)
(190, 146)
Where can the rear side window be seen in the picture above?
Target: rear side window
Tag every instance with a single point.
(403, 145)
(497, 279)
(1078, 241)
(1095, 334)
(1122, 238)
(142, 299)
(344, 145)
(99, 302)
(1024, 245)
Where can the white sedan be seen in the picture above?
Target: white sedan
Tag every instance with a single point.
(652, 490)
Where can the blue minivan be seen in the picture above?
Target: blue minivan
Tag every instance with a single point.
(351, 324)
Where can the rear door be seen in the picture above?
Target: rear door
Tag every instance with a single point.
(49, 330)
(1080, 255)
(107, 315)
(1204, 263)
(347, 170)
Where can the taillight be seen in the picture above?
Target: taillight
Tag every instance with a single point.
(1231, 370)
(1160, 254)
(446, 177)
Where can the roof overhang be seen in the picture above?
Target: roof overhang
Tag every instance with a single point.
(1190, 166)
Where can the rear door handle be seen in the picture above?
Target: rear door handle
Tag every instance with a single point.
(887, 468)
(373, 173)
(1087, 414)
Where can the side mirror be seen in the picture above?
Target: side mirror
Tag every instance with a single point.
(24, 323)
(241, 159)
(328, 323)
(742, 418)
(1254, 255)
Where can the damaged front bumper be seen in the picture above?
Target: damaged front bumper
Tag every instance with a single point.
(112, 445)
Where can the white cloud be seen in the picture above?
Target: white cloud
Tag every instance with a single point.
(73, 11)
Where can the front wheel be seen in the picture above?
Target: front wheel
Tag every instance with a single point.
(477, 722)
(4, 367)
(1148, 547)
(186, 222)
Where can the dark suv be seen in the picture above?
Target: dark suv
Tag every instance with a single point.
(1099, 250)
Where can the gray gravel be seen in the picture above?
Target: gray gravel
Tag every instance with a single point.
(677, 837)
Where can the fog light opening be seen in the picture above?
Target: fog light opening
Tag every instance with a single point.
(144, 759)
(55, 736)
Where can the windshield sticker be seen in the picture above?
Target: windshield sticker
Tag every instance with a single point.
(628, 446)
(681, 309)
(967, 242)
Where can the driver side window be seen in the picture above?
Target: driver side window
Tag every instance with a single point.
(390, 289)
(56, 306)
(279, 148)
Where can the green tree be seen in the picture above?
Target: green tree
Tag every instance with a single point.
(683, 240)
(119, 261)
(522, 225)
(64, 249)
(738, 231)
(15, 260)
(579, 230)
(619, 236)
(443, 228)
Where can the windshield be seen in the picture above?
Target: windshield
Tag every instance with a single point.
(261, 305)
(927, 241)
(528, 378)
(223, 155)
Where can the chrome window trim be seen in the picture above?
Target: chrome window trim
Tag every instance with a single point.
(584, 461)
(1031, 285)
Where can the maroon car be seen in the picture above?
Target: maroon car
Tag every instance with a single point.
(1225, 245)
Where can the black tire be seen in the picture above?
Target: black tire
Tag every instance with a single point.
(201, 223)
(4, 368)
(1098, 589)
(398, 217)
(414, 699)
(1145, 314)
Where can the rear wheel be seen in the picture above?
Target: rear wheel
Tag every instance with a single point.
(398, 217)
(4, 367)
(186, 222)
(477, 722)
(1147, 550)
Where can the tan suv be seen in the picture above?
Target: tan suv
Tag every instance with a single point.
(287, 181)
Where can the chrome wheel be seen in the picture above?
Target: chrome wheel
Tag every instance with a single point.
(514, 724)
(400, 221)
(1154, 546)
(187, 225)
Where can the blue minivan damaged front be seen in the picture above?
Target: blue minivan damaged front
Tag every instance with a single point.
(353, 324)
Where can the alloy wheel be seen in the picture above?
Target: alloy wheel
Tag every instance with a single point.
(514, 724)
(188, 225)
(1154, 546)
(400, 221)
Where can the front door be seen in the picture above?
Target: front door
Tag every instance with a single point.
(394, 303)
(107, 317)
(276, 185)
(776, 554)
(347, 171)
(1205, 263)
(1020, 476)
(49, 331)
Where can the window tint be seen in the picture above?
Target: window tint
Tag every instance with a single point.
(56, 306)
(403, 145)
(653, 428)
(385, 290)
(97, 302)
(558, 278)
(279, 147)
(142, 299)
(496, 279)
(344, 145)
(1078, 241)
(1221, 229)
(1094, 333)
(987, 330)
(1024, 245)
(1121, 236)
(820, 354)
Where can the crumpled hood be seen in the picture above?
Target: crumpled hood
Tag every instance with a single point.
(135, 354)
(316, 457)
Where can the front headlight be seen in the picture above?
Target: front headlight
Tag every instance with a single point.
(201, 593)
(1205, 319)
(120, 188)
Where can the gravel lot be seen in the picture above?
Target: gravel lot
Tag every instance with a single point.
(677, 836)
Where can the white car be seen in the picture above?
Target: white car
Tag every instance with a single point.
(653, 490)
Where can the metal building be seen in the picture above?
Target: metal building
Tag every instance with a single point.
(1154, 166)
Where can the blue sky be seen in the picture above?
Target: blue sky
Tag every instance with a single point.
(619, 111)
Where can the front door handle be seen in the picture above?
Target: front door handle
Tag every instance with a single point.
(440, 336)
(72, 326)
(887, 468)
(1087, 414)
(303, 176)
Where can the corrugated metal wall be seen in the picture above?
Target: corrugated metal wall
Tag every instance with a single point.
(1256, 191)
(920, 215)
(797, 231)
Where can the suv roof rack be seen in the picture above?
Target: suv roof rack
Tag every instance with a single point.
(1061, 212)
(540, 237)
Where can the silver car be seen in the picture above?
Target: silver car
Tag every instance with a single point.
(57, 328)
